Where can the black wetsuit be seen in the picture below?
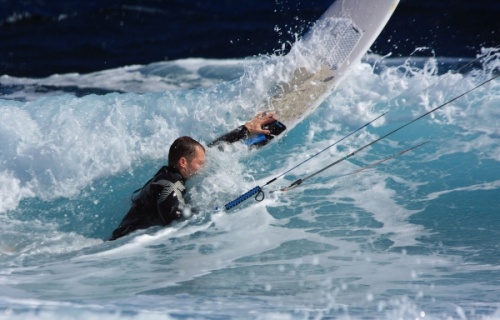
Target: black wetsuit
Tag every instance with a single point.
(237, 134)
(161, 200)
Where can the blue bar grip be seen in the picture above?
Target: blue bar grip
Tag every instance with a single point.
(242, 198)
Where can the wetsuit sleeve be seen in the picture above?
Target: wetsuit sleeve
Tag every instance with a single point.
(237, 134)
(171, 202)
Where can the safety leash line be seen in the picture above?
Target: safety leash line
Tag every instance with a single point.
(300, 181)
(257, 191)
(328, 147)
(364, 168)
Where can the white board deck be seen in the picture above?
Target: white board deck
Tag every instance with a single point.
(337, 42)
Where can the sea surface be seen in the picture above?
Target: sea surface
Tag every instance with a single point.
(93, 93)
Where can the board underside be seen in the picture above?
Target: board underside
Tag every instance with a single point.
(337, 41)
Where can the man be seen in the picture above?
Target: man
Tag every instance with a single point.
(161, 200)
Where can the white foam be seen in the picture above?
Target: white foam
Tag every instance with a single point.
(493, 185)
(181, 74)
(11, 191)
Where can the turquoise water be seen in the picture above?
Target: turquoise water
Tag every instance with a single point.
(415, 237)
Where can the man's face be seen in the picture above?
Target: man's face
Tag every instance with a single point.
(195, 165)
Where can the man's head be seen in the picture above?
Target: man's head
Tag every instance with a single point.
(187, 155)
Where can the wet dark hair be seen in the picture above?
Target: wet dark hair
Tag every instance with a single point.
(183, 147)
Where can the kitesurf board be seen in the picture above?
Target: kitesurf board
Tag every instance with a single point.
(336, 43)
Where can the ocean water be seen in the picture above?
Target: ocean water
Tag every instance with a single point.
(414, 237)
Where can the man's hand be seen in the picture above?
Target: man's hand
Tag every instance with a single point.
(260, 119)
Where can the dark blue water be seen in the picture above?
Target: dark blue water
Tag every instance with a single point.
(41, 38)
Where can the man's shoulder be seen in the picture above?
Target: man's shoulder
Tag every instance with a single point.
(169, 174)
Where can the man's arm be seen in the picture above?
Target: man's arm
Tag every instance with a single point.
(237, 134)
(253, 126)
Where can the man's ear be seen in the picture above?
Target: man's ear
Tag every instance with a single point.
(182, 162)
